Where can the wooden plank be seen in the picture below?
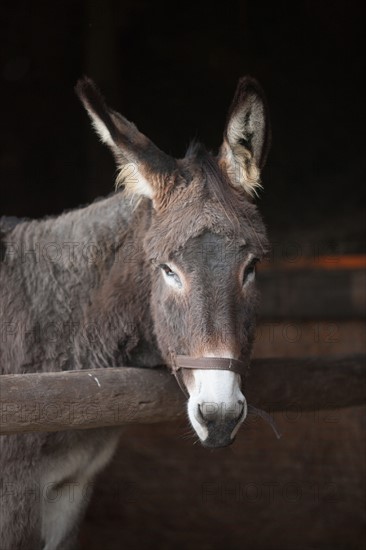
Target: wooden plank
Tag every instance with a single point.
(307, 384)
(110, 397)
(87, 399)
(312, 294)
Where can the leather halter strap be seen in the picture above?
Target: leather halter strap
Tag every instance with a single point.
(180, 362)
(211, 363)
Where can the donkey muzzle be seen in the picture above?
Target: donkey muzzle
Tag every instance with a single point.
(215, 419)
(180, 362)
(210, 414)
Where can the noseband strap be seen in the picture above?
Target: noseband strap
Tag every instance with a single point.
(211, 363)
(180, 362)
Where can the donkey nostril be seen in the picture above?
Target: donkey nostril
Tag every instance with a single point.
(200, 417)
(241, 410)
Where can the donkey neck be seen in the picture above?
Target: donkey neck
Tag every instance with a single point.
(89, 267)
(99, 222)
(119, 304)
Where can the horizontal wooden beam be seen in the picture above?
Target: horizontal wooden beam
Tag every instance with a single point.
(110, 397)
(312, 294)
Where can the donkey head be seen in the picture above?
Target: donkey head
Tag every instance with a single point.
(204, 238)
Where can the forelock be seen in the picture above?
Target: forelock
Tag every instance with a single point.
(203, 201)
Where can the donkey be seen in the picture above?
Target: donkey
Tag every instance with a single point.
(161, 271)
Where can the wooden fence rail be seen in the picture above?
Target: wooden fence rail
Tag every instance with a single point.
(110, 397)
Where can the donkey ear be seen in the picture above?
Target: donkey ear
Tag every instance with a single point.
(142, 165)
(246, 137)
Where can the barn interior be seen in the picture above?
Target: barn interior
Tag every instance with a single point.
(172, 69)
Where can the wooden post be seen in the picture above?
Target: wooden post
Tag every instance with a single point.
(111, 397)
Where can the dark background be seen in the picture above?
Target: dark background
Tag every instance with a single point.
(172, 68)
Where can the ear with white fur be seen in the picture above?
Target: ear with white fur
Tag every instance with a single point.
(143, 167)
(246, 137)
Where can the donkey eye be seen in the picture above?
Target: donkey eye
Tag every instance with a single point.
(171, 275)
(167, 270)
(249, 271)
